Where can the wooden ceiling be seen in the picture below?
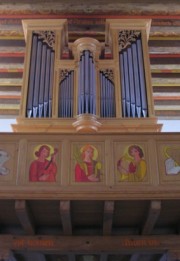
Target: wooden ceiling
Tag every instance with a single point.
(87, 18)
(79, 230)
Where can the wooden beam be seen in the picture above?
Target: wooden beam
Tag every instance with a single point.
(164, 55)
(152, 216)
(24, 216)
(65, 212)
(92, 244)
(108, 217)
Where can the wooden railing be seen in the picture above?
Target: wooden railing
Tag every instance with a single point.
(98, 166)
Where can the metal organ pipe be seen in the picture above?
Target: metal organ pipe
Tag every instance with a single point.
(37, 79)
(142, 78)
(136, 81)
(32, 77)
(133, 86)
(123, 90)
(42, 81)
(47, 77)
(126, 78)
(107, 96)
(39, 99)
(87, 84)
(51, 71)
(131, 82)
(66, 89)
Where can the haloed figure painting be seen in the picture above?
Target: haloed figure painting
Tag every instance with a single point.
(132, 165)
(43, 168)
(87, 166)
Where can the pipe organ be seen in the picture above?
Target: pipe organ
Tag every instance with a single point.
(87, 85)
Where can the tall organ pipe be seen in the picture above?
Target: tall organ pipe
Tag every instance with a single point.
(133, 86)
(51, 71)
(126, 78)
(136, 81)
(123, 89)
(47, 77)
(131, 82)
(66, 90)
(37, 80)
(42, 81)
(87, 84)
(107, 96)
(142, 78)
(39, 98)
(32, 77)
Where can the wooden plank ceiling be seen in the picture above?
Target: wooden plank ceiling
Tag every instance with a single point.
(87, 18)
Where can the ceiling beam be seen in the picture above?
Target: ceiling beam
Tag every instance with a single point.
(108, 217)
(152, 216)
(65, 212)
(91, 244)
(24, 216)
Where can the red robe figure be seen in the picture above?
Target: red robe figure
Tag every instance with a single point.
(43, 169)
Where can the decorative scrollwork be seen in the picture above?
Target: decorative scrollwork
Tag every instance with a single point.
(126, 37)
(47, 37)
(109, 74)
(63, 74)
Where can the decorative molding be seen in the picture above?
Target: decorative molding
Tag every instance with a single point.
(109, 74)
(126, 37)
(47, 37)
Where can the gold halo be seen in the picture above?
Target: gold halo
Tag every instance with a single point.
(167, 148)
(37, 148)
(95, 152)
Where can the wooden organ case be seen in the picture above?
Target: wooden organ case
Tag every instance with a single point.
(87, 86)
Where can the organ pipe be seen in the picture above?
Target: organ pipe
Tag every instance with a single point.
(32, 77)
(39, 98)
(42, 81)
(66, 89)
(133, 86)
(87, 84)
(107, 96)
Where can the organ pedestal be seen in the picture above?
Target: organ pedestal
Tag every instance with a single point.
(87, 86)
